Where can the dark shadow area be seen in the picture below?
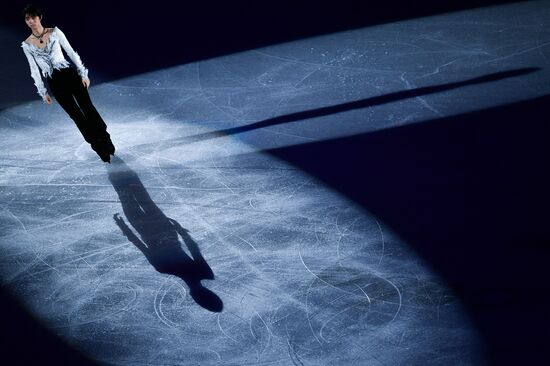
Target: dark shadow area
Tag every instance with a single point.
(470, 194)
(358, 104)
(158, 239)
(24, 340)
(125, 38)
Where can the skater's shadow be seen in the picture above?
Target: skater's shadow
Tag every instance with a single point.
(158, 236)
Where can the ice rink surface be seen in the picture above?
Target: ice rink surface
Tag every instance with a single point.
(198, 246)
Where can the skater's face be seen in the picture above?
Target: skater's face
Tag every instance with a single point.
(33, 21)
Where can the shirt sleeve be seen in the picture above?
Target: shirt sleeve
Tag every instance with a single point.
(35, 72)
(75, 58)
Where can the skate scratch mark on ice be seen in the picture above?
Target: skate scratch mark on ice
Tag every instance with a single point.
(341, 237)
(50, 204)
(329, 320)
(203, 93)
(220, 172)
(70, 165)
(308, 312)
(367, 351)
(157, 305)
(319, 64)
(401, 339)
(348, 228)
(51, 176)
(273, 111)
(383, 241)
(53, 268)
(31, 167)
(250, 328)
(336, 224)
(262, 349)
(53, 224)
(270, 130)
(158, 166)
(5, 157)
(538, 46)
(104, 316)
(90, 265)
(364, 293)
(31, 274)
(436, 71)
(65, 219)
(539, 42)
(315, 231)
(338, 243)
(27, 266)
(292, 352)
(86, 254)
(342, 296)
(221, 239)
(121, 247)
(228, 281)
(494, 50)
(55, 185)
(249, 86)
(216, 353)
(295, 86)
(319, 278)
(245, 241)
(221, 63)
(265, 324)
(422, 100)
(165, 293)
(297, 188)
(163, 180)
(132, 152)
(223, 331)
(458, 47)
(151, 87)
(271, 70)
(18, 220)
(398, 293)
(168, 159)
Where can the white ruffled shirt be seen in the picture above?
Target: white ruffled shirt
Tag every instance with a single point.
(51, 57)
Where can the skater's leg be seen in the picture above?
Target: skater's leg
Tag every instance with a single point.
(102, 139)
(61, 91)
(62, 85)
(84, 101)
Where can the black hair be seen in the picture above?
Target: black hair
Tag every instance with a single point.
(32, 10)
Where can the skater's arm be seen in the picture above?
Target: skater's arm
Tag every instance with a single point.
(189, 242)
(184, 233)
(35, 73)
(75, 58)
(129, 233)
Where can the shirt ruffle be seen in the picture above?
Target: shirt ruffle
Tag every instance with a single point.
(44, 61)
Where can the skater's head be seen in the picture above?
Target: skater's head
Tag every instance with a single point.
(32, 15)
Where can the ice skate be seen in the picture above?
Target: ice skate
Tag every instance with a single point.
(104, 148)
(105, 156)
(111, 147)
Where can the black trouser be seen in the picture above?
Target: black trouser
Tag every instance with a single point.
(67, 88)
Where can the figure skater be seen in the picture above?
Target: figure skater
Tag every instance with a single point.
(68, 86)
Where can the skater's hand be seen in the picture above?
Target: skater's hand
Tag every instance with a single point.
(120, 222)
(47, 99)
(86, 82)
